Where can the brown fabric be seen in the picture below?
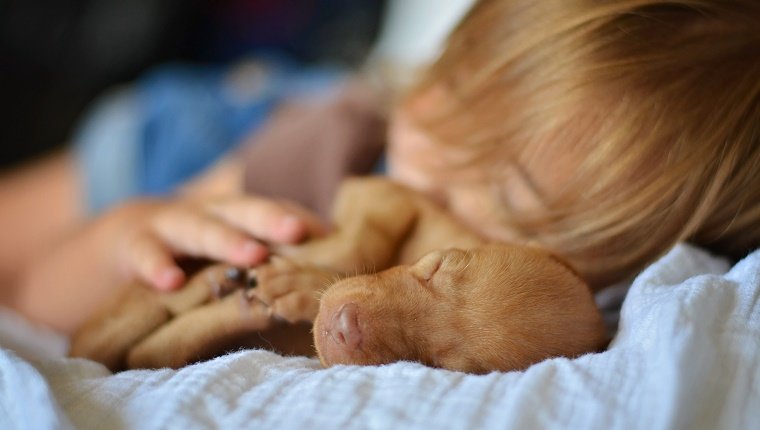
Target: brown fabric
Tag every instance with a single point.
(305, 150)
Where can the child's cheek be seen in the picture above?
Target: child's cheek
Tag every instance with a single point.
(477, 209)
(410, 155)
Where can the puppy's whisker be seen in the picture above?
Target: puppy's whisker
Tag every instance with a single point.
(327, 282)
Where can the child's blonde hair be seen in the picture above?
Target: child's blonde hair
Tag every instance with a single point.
(663, 97)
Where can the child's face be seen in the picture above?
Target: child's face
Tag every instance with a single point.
(470, 193)
(415, 160)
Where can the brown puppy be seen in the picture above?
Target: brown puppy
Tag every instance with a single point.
(478, 308)
(490, 308)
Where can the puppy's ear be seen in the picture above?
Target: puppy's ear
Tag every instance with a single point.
(567, 265)
(446, 261)
(426, 266)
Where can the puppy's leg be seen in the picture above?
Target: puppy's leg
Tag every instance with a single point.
(202, 333)
(292, 290)
(109, 335)
(372, 218)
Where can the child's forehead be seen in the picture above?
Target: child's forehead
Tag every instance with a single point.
(544, 157)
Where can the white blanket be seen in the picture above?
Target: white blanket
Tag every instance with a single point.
(687, 355)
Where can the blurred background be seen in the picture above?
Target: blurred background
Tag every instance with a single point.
(57, 56)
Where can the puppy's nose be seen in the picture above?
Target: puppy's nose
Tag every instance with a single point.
(345, 326)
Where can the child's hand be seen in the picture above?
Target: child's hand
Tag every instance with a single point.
(64, 286)
(231, 229)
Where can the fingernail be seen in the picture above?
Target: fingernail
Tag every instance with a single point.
(251, 253)
(169, 278)
(292, 228)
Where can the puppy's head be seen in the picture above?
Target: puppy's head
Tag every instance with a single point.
(491, 308)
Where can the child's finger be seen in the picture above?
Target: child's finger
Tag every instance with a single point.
(268, 220)
(152, 261)
(314, 224)
(194, 233)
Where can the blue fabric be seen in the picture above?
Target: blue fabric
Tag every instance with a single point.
(188, 125)
(178, 120)
(107, 150)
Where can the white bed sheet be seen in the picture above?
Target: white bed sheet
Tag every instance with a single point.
(687, 355)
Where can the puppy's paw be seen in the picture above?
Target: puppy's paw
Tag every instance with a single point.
(208, 284)
(291, 290)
